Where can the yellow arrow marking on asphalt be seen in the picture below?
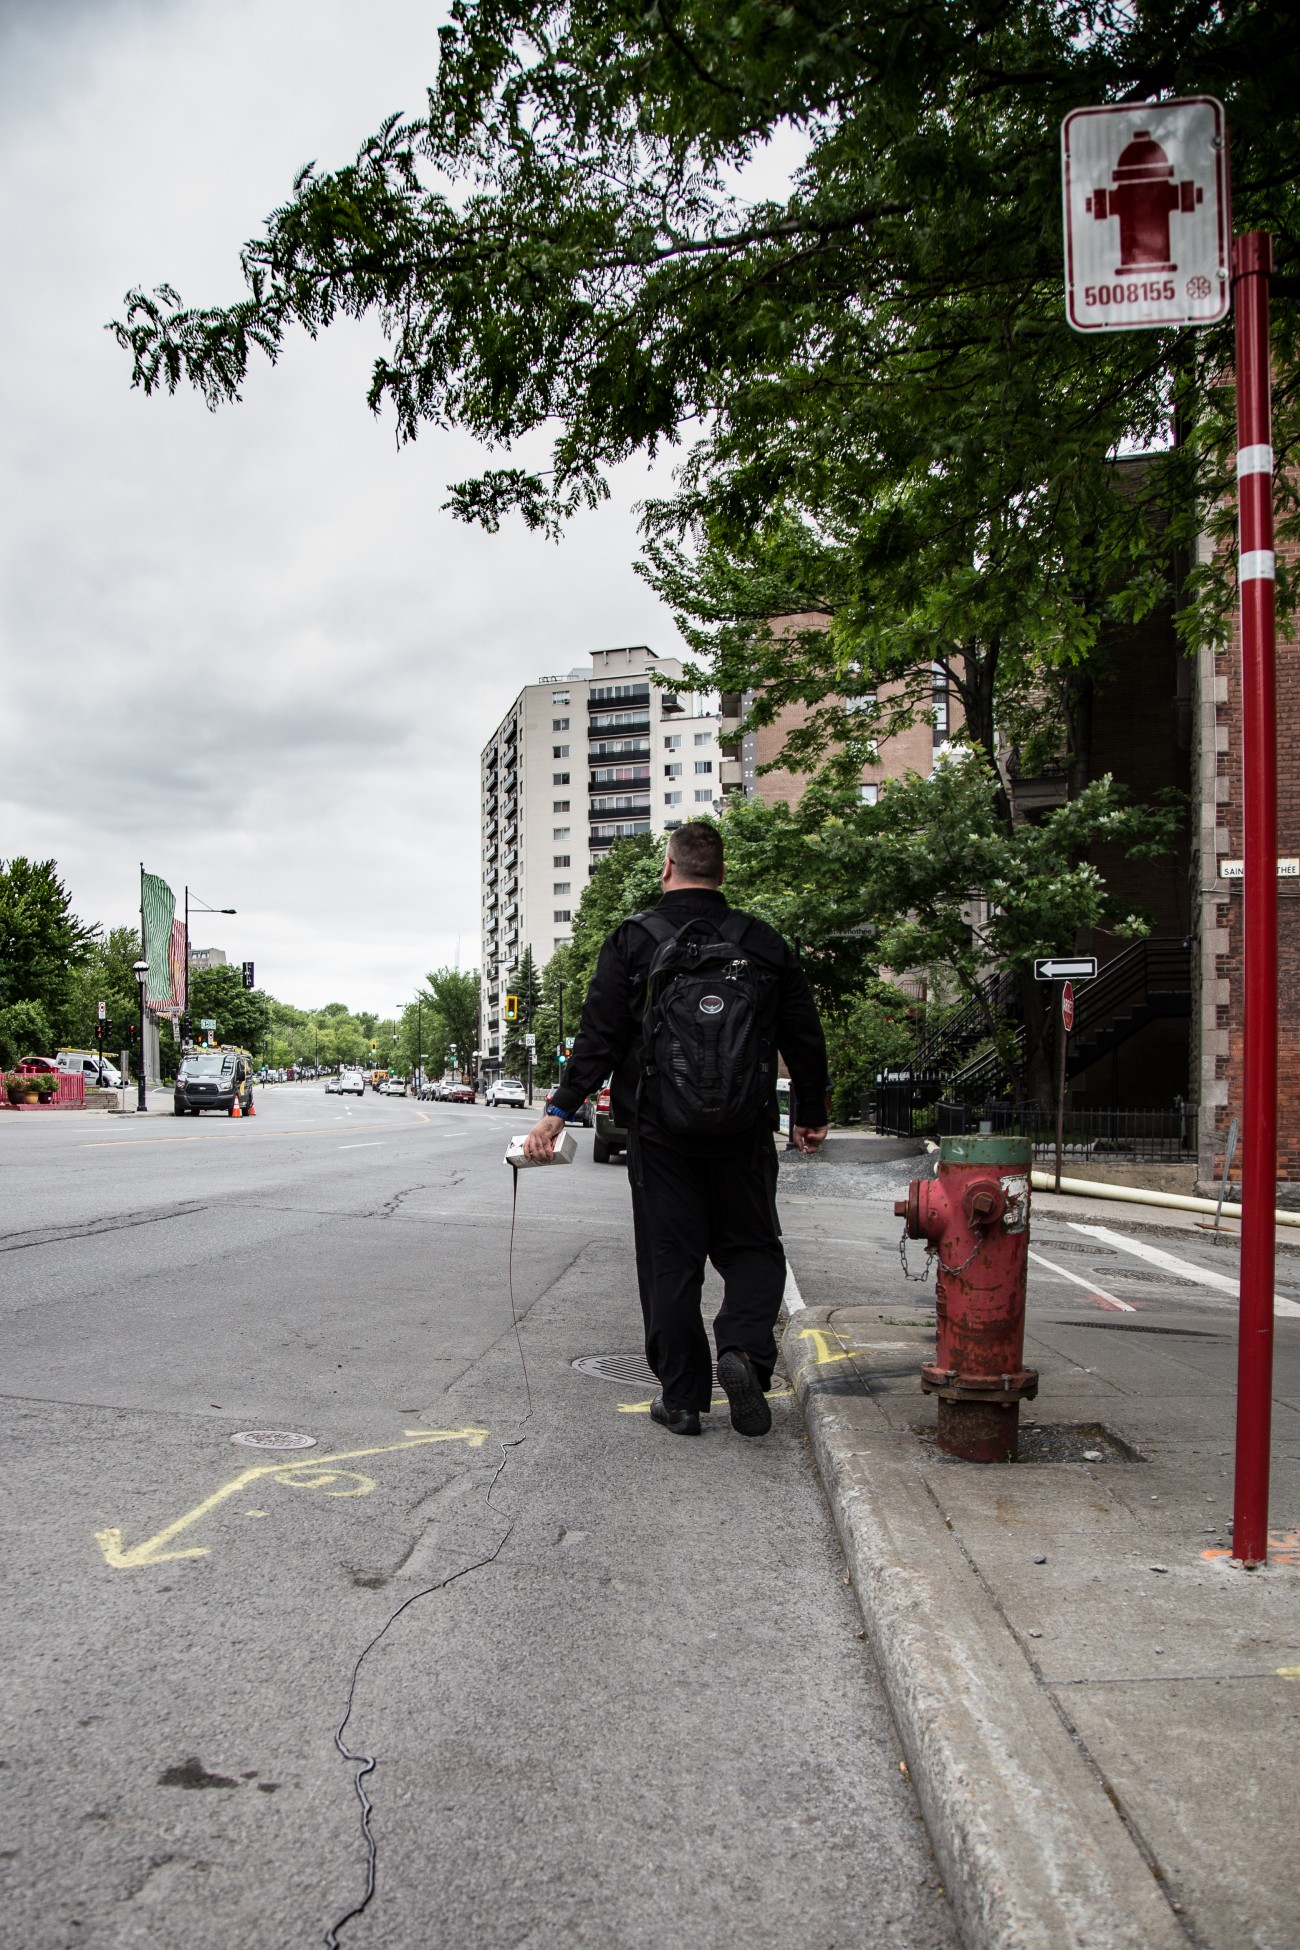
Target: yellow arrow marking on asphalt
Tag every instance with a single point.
(311, 1473)
(719, 1401)
(822, 1346)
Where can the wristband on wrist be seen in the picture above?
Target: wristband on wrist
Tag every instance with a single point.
(553, 1110)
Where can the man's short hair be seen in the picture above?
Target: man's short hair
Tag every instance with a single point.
(696, 851)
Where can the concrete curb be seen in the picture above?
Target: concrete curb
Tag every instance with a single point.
(1034, 1853)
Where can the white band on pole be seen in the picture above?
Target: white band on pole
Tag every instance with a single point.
(1254, 460)
(1258, 565)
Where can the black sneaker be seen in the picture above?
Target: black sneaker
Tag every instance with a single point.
(679, 1421)
(750, 1413)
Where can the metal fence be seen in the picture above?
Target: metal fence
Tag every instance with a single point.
(1145, 1136)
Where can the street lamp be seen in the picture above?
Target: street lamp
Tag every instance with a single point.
(140, 969)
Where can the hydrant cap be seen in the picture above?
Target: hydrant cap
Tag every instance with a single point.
(994, 1152)
(1144, 161)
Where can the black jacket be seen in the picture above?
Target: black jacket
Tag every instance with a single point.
(609, 1034)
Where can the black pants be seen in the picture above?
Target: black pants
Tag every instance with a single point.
(689, 1205)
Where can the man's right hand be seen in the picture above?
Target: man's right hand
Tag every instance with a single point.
(809, 1137)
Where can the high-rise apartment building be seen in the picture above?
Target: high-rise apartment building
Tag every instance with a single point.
(577, 762)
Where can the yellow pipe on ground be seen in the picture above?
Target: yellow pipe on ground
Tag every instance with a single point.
(1045, 1181)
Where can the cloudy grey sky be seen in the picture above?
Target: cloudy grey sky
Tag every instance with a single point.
(246, 648)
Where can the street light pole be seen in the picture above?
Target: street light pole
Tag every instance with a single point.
(140, 970)
(203, 908)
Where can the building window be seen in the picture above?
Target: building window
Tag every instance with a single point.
(673, 744)
(672, 798)
(560, 832)
(561, 887)
(704, 764)
(559, 751)
(560, 805)
(560, 778)
(559, 724)
(559, 697)
(561, 859)
(672, 771)
(869, 794)
(563, 914)
(703, 737)
(704, 798)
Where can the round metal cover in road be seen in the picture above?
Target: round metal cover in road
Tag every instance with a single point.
(273, 1439)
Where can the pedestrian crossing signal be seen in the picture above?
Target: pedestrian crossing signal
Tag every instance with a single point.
(512, 1008)
(248, 975)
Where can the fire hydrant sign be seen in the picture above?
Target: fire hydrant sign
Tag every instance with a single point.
(1147, 222)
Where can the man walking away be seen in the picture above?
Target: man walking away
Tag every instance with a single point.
(689, 1006)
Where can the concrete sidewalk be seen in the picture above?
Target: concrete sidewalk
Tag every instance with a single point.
(1100, 1715)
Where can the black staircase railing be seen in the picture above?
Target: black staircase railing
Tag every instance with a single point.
(1146, 981)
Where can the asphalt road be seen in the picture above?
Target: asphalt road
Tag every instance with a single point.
(613, 1681)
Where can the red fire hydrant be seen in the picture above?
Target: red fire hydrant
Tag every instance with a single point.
(975, 1215)
(1144, 201)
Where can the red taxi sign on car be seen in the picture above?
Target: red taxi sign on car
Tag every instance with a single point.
(1147, 222)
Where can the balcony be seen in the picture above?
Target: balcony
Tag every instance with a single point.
(629, 723)
(625, 748)
(620, 803)
(626, 775)
(732, 773)
(601, 697)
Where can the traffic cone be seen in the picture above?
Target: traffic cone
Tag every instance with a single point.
(251, 1112)
(235, 1111)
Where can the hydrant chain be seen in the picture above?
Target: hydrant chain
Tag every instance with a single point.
(925, 1272)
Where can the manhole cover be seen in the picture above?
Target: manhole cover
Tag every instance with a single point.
(273, 1439)
(628, 1370)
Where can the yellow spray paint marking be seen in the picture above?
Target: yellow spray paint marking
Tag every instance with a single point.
(1283, 1548)
(822, 1340)
(1288, 1672)
(719, 1401)
(312, 1473)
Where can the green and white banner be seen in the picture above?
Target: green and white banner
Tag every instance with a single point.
(158, 908)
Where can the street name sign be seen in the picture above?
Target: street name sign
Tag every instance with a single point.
(207, 1022)
(1147, 217)
(1236, 869)
(1065, 968)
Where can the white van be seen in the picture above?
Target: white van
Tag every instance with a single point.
(85, 1063)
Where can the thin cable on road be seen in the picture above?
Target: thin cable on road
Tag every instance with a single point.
(366, 1763)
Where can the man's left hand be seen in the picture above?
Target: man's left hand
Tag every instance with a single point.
(808, 1137)
(539, 1145)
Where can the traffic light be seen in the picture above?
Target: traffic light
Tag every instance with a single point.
(248, 974)
(512, 1008)
(101, 1030)
(374, 1046)
(132, 1033)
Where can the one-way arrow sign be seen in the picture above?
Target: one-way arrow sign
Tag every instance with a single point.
(1065, 968)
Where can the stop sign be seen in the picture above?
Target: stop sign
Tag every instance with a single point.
(1067, 1006)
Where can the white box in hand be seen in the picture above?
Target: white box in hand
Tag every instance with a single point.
(565, 1152)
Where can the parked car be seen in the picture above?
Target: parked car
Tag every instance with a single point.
(394, 1087)
(506, 1090)
(459, 1093)
(610, 1137)
(352, 1083)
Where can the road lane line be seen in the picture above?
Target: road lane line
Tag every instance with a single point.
(794, 1300)
(1185, 1268)
(368, 1145)
(1097, 1292)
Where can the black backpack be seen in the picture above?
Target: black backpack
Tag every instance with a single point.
(704, 1067)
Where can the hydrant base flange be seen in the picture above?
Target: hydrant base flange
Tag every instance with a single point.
(1004, 1389)
(979, 1432)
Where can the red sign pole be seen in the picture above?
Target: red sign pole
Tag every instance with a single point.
(1252, 262)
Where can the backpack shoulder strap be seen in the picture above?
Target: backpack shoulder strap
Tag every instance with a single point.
(735, 925)
(659, 928)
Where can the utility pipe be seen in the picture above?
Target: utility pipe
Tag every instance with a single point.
(1044, 1181)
